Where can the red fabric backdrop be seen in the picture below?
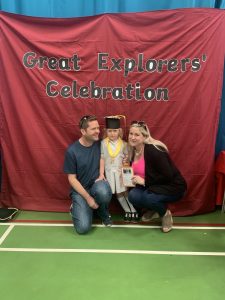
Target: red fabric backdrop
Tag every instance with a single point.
(133, 55)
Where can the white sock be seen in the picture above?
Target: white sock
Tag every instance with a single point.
(126, 205)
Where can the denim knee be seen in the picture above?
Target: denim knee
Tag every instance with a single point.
(82, 227)
(101, 191)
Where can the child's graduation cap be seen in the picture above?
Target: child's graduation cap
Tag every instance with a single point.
(113, 122)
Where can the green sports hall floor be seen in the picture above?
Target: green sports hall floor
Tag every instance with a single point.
(41, 257)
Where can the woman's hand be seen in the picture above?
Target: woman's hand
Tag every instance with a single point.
(138, 180)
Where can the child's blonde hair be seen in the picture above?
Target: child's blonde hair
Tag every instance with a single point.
(119, 135)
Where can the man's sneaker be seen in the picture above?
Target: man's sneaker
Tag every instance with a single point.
(71, 210)
(107, 222)
(149, 215)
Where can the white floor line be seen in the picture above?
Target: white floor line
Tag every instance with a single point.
(106, 251)
(112, 251)
(115, 226)
(6, 233)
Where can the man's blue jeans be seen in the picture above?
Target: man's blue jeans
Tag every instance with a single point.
(140, 197)
(82, 213)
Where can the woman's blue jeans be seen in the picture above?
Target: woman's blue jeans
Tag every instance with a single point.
(82, 213)
(140, 197)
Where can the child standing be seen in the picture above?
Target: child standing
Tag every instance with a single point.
(113, 151)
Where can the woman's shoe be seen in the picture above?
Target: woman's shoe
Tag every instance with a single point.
(167, 222)
(149, 215)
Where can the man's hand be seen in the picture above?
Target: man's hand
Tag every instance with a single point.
(91, 202)
(101, 177)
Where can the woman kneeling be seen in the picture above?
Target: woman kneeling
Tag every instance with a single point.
(157, 180)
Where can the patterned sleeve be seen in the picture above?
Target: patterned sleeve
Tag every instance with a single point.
(125, 148)
(102, 149)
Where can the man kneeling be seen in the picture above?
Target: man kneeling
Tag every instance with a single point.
(81, 163)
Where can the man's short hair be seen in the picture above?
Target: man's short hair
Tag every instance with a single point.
(84, 121)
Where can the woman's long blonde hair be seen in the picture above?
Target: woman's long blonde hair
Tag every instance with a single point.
(148, 138)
